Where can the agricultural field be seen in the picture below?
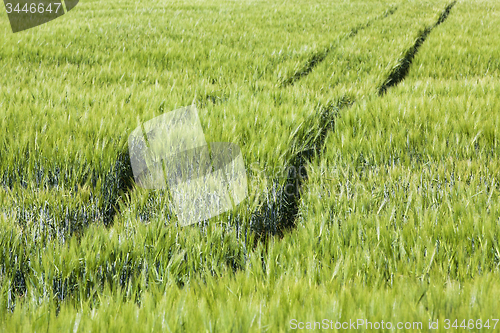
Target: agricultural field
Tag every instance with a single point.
(369, 132)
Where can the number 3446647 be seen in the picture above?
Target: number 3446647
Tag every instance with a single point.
(33, 8)
(470, 324)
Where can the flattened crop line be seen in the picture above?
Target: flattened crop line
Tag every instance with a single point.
(318, 57)
(279, 212)
(444, 14)
(307, 68)
(400, 71)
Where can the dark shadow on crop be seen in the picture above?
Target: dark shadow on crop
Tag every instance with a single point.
(213, 98)
(57, 219)
(401, 70)
(117, 181)
(279, 211)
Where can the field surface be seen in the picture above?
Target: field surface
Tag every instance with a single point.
(370, 135)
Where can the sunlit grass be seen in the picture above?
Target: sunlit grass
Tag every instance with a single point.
(398, 219)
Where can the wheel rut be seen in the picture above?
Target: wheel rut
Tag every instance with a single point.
(401, 70)
(320, 56)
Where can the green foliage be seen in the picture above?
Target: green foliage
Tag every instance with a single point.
(396, 216)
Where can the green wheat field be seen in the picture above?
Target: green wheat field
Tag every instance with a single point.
(370, 133)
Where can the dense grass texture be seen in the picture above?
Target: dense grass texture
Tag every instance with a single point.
(394, 210)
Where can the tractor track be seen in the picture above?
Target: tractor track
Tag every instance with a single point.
(279, 214)
(279, 211)
(319, 57)
(401, 70)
